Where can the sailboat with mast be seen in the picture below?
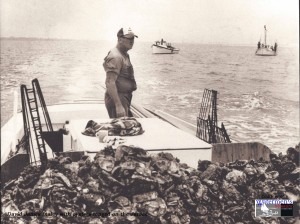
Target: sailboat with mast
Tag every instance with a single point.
(264, 49)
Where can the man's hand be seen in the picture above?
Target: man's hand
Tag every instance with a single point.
(120, 111)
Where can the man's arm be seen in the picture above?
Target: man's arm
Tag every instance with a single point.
(110, 83)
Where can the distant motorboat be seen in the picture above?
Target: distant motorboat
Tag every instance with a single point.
(162, 47)
(263, 49)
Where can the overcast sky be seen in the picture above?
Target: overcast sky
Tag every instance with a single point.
(196, 21)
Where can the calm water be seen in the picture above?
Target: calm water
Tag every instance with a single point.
(258, 96)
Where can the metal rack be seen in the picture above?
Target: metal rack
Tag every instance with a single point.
(31, 100)
(207, 120)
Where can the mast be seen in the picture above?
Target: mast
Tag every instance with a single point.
(265, 35)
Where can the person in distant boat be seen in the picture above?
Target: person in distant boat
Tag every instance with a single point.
(162, 41)
(120, 81)
(275, 47)
(258, 44)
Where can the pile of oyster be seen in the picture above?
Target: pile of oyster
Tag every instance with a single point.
(128, 185)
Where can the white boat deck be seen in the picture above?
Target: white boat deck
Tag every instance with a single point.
(158, 136)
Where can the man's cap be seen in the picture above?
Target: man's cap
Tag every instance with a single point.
(126, 32)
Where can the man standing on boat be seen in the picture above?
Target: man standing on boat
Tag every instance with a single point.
(120, 81)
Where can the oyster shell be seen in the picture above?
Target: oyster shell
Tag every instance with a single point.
(150, 188)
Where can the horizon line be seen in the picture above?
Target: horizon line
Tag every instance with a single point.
(81, 39)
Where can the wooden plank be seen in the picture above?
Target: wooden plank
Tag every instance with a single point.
(228, 152)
